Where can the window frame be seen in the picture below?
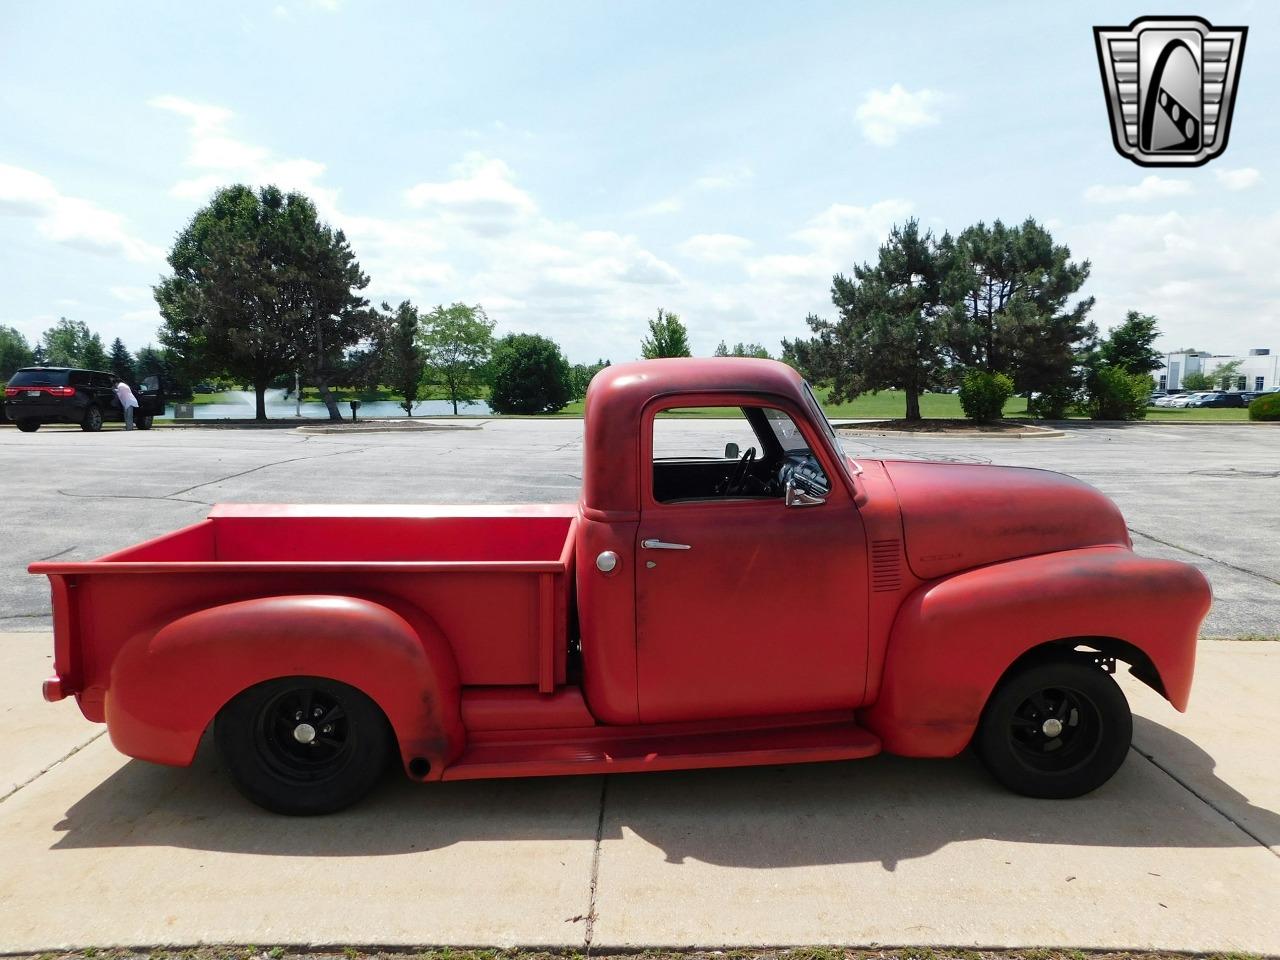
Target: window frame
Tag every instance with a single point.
(837, 490)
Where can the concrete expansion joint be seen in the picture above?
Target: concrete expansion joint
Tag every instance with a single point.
(595, 869)
(1205, 800)
(66, 756)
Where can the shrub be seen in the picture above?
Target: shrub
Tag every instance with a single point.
(1051, 404)
(1265, 407)
(983, 395)
(530, 375)
(1113, 394)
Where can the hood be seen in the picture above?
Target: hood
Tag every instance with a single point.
(957, 515)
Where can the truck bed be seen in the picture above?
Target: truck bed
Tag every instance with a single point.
(495, 580)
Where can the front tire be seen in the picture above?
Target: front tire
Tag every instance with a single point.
(28, 426)
(303, 745)
(1055, 730)
(143, 422)
(92, 421)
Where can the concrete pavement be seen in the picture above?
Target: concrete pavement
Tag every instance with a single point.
(1181, 851)
(1170, 855)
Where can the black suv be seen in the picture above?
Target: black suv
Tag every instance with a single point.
(36, 395)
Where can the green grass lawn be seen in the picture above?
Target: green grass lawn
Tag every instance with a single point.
(885, 405)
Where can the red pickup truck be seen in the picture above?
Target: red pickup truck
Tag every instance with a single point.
(765, 604)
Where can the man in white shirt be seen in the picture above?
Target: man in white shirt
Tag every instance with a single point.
(128, 401)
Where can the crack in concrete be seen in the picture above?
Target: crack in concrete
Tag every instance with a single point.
(1203, 799)
(595, 870)
(53, 556)
(66, 756)
(1205, 556)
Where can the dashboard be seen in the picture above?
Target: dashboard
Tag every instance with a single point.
(805, 472)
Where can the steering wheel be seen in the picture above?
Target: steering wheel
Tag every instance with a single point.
(740, 472)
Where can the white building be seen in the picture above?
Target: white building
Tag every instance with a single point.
(1259, 370)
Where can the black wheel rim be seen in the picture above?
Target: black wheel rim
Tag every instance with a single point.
(1055, 730)
(304, 735)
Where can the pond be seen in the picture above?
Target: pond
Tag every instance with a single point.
(239, 405)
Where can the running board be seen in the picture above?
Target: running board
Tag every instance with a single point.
(612, 750)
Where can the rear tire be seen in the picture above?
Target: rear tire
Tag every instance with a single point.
(28, 426)
(92, 421)
(303, 745)
(143, 422)
(1055, 730)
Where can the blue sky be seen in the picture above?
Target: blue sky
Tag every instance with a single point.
(573, 166)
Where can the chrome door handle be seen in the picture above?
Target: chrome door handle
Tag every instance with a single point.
(663, 545)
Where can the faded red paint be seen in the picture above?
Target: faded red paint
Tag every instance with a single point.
(880, 619)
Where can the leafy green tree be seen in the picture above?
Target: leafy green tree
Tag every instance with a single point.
(1197, 380)
(1223, 375)
(668, 337)
(1011, 286)
(122, 361)
(1130, 346)
(70, 343)
(1114, 393)
(260, 286)
(457, 341)
(15, 352)
(741, 349)
(891, 322)
(404, 360)
(530, 375)
(581, 375)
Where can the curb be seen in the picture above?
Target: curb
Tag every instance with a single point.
(382, 427)
(1025, 433)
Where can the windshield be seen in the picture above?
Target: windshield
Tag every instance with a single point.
(39, 378)
(819, 416)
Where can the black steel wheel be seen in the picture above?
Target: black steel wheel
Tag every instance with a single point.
(28, 426)
(303, 745)
(1055, 729)
(92, 421)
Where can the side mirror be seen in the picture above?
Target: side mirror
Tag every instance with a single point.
(799, 498)
(731, 451)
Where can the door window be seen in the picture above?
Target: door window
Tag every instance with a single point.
(727, 453)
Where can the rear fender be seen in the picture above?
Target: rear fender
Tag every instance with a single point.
(166, 686)
(954, 639)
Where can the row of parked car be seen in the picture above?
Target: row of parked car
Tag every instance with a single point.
(1206, 398)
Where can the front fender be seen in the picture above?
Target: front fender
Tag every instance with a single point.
(167, 685)
(953, 639)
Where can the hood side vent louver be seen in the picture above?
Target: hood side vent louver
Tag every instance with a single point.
(886, 565)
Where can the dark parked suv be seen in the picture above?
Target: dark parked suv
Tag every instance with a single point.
(36, 395)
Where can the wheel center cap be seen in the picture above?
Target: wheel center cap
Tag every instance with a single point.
(1050, 728)
(305, 732)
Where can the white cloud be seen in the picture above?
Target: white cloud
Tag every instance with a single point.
(1241, 179)
(225, 159)
(482, 195)
(1202, 274)
(71, 221)
(1151, 188)
(715, 247)
(886, 114)
(130, 294)
(725, 178)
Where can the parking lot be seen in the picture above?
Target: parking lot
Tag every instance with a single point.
(1181, 851)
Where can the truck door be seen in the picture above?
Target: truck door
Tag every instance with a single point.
(749, 602)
